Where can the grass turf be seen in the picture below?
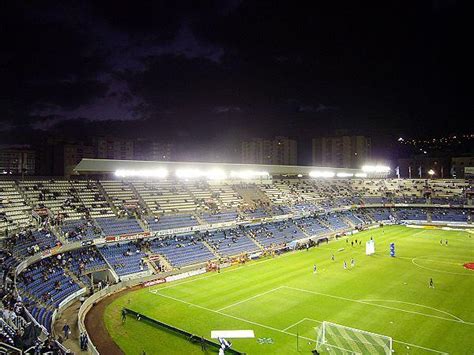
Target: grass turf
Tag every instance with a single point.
(280, 298)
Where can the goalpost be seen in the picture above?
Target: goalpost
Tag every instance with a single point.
(338, 339)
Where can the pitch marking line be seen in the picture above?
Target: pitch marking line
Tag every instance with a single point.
(250, 298)
(376, 305)
(436, 270)
(419, 305)
(176, 283)
(269, 327)
(395, 341)
(294, 325)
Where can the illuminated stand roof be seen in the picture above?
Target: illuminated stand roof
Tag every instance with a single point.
(218, 171)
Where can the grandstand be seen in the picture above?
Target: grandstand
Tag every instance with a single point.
(141, 227)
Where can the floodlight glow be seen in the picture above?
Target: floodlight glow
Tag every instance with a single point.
(379, 169)
(150, 173)
(344, 175)
(321, 174)
(249, 174)
(361, 175)
(431, 172)
(214, 174)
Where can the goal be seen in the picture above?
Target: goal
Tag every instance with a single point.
(338, 339)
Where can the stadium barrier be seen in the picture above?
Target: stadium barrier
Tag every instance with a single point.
(180, 332)
(109, 290)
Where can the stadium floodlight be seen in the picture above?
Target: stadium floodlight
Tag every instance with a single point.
(321, 174)
(159, 173)
(378, 169)
(431, 172)
(343, 175)
(213, 174)
(249, 174)
(361, 175)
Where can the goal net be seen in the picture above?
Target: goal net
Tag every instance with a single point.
(338, 339)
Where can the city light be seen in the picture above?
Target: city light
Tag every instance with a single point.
(321, 174)
(378, 169)
(150, 173)
(431, 172)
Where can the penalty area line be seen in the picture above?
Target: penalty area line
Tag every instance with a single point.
(273, 328)
(377, 305)
(250, 298)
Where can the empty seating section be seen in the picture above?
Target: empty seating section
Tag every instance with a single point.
(182, 251)
(363, 216)
(305, 207)
(414, 214)
(125, 258)
(409, 200)
(56, 195)
(47, 282)
(14, 211)
(256, 213)
(449, 215)
(312, 226)
(80, 229)
(29, 242)
(219, 217)
(117, 226)
(448, 201)
(171, 222)
(84, 261)
(281, 210)
(449, 190)
(226, 197)
(230, 242)
(368, 188)
(275, 233)
(374, 200)
(119, 192)
(43, 316)
(354, 217)
(203, 196)
(92, 198)
(165, 196)
(275, 194)
(379, 214)
(335, 222)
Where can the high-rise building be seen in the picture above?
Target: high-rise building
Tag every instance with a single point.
(145, 149)
(113, 148)
(278, 151)
(461, 165)
(341, 151)
(16, 161)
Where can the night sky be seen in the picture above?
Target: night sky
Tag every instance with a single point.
(209, 73)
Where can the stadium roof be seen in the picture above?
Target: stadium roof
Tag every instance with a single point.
(107, 166)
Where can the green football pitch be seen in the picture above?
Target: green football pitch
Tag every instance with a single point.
(284, 302)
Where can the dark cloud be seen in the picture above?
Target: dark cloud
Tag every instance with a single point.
(221, 70)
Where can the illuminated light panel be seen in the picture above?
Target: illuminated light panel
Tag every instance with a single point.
(151, 173)
(343, 175)
(322, 174)
(249, 174)
(376, 169)
(361, 175)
